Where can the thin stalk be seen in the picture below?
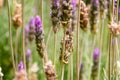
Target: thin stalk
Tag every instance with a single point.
(41, 15)
(77, 43)
(109, 59)
(91, 56)
(63, 51)
(113, 55)
(16, 47)
(55, 37)
(48, 37)
(10, 35)
(23, 36)
(71, 67)
(100, 45)
(116, 57)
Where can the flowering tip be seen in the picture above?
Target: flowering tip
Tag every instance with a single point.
(32, 22)
(20, 66)
(38, 24)
(28, 53)
(96, 53)
(74, 3)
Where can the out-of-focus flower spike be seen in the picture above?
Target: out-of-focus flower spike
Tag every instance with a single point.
(84, 16)
(17, 15)
(1, 4)
(55, 8)
(66, 13)
(94, 16)
(103, 8)
(95, 66)
(28, 54)
(81, 72)
(21, 73)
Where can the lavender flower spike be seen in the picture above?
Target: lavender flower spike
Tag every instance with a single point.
(38, 25)
(96, 53)
(20, 66)
(39, 34)
(28, 53)
(55, 14)
(95, 64)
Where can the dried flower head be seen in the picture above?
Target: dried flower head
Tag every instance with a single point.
(20, 75)
(17, 15)
(103, 8)
(114, 28)
(95, 66)
(68, 46)
(1, 4)
(94, 15)
(50, 71)
(84, 16)
(66, 12)
(55, 7)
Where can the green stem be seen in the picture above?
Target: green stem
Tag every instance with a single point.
(63, 52)
(71, 67)
(77, 43)
(23, 36)
(10, 35)
(48, 37)
(16, 47)
(55, 37)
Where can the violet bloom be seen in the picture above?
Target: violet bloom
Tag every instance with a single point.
(28, 53)
(32, 23)
(20, 66)
(38, 25)
(96, 54)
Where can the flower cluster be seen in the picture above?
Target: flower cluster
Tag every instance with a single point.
(94, 15)
(50, 71)
(84, 16)
(68, 46)
(114, 28)
(30, 31)
(103, 8)
(95, 64)
(66, 12)
(55, 14)
(39, 34)
(17, 15)
(21, 73)
(73, 23)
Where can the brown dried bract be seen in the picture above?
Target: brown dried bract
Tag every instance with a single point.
(17, 15)
(20, 75)
(50, 71)
(1, 3)
(84, 16)
(114, 28)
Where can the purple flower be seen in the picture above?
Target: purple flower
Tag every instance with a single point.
(20, 66)
(27, 31)
(96, 54)
(38, 25)
(28, 53)
(32, 23)
(74, 3)
(55, 3)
